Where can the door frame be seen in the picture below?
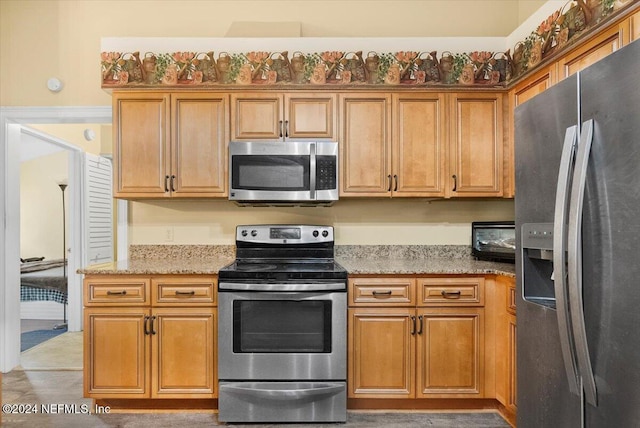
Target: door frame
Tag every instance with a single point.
(11, 130)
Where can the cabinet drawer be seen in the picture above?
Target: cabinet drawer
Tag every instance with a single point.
(193, 291)
(382, 291)
(451, 291)
(116, 291)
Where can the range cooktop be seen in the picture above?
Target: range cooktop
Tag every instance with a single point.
(279, 270)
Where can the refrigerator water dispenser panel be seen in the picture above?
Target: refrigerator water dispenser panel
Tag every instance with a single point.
(537, 264)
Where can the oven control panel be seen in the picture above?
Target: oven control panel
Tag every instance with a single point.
(284, 233)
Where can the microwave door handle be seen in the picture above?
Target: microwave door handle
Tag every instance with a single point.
(560, 257)
(312, 171)
(574, 244)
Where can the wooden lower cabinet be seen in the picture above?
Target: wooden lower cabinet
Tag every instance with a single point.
(381, 353)
(450, 353)
(436, 351)
(512, 357)
(116, 353)
(182, 358)
(166, 349)
(506, 351)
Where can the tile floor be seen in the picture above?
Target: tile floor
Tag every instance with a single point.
(51, 375)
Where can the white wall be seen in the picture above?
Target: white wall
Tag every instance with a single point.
(41, 205)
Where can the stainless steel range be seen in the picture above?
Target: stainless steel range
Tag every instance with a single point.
(282, 327)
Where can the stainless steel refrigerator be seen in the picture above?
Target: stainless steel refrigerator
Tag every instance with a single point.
(577, 148)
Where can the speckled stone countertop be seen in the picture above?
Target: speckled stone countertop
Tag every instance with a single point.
(356, 259)
(168, 260)
(416, 259)
(439, 266)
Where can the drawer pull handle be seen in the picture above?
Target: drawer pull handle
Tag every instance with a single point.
(382, 293)
(185, 293)
(450, 294)
(116, 293)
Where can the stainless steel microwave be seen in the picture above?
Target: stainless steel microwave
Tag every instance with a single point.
(292, 172)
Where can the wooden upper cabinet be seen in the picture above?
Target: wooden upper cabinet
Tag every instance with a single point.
(170, 145)
(634, 26)
(418, 145)
(365, 149)
(603, 44)
(310, 116)
(476, 144)
(280, 117)
(199, 144)
(141, 144)
(534, 85)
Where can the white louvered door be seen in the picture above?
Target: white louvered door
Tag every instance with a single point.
(98, 219)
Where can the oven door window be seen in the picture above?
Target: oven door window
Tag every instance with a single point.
(280, 326)
(270, 172)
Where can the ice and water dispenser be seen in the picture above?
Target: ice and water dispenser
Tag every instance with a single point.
(537, 264)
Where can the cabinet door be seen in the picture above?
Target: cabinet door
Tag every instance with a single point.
(199, 144)
(523, 91)
(450, 353)
(512, 358)
(365, 144)
(476, 142)
(381, 353)
(310, 116)
(184, 362)
(634, 27)
(534, 85)
(116, 353)
(418, 141)
(256, 117)
(141, 144)
(588, 53)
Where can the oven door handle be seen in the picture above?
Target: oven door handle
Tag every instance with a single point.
(266, 391)
(283, 286)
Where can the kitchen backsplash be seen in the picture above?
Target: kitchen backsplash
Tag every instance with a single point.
(403, 251)
(341, 251)
(181, 251)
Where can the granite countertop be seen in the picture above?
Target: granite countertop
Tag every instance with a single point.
(154, 266)
(357, 260)
(439, 266)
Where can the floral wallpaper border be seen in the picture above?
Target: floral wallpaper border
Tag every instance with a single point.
(426, 68)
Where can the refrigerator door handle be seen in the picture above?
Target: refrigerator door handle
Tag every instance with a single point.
(560, 258)
(574, 241)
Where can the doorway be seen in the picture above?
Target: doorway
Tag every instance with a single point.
(12, 121)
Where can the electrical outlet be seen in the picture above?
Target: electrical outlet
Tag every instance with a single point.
(168, 234)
